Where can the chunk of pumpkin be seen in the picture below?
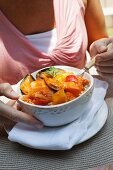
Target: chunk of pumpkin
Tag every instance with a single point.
(59, 97)
(26, 84)
(73, 88)
(40, 92)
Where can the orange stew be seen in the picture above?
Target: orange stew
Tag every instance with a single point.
(52, 87)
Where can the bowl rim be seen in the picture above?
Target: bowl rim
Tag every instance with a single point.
(62, 104)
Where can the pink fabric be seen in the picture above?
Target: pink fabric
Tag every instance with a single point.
(18, 57)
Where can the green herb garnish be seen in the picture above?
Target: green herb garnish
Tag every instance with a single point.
(53, 71)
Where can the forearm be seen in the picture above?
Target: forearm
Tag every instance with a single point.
(95, 21)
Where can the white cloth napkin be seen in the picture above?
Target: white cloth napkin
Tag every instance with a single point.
(65, 137)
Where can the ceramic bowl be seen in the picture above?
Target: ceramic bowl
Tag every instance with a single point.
(61, 114)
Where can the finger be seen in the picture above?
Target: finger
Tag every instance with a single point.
(6, 90)
(11, 102)
(98, 46)
(104, 56)
(109, 41)
(97, 49)
(107, 63)
(104, 41)
(18, 116)
(14, 104)
(101, 46)
(5, 121)
(109, 46)
(107, 55)
(103, 69)
(106, 75)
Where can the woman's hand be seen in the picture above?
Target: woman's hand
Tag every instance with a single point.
(7, 112)
(103, 51)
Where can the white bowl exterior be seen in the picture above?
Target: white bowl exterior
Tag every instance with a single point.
(62, 114)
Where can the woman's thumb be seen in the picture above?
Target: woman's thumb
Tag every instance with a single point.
(102, 49)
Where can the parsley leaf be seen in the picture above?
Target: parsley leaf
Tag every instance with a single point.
(52, 71)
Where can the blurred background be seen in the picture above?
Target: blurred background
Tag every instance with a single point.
(107, 6)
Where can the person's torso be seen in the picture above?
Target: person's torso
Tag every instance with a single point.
(30, 17)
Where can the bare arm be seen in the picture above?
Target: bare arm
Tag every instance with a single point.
(95, 22)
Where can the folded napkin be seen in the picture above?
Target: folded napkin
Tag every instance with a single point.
(64, 137)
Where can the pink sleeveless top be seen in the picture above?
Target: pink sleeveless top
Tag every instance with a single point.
(19, 57)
